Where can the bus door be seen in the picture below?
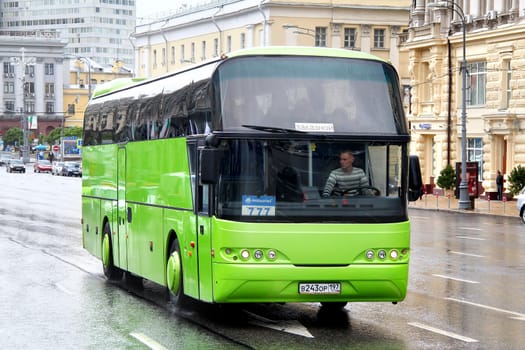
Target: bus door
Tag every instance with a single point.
(122, 210)
(204, 239)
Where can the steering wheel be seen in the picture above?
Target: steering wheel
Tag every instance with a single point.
(360, 190)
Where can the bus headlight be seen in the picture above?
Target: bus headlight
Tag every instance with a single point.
(272, 254)
(245, 254)
(370, 254)
(258, 254)
(381, 254)
(394, 254)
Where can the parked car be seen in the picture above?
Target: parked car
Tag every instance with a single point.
(15, 166)
(521, 204)
(56, 168)
(71, 169)
(4, 158)
(42, 165)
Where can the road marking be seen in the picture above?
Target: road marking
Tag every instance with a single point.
(150, 343)
(455, 279)
(442, 332)
(470, 228)
(515, 315)
(468, 254)
(63, 289)
(290, 326)
(472, 238)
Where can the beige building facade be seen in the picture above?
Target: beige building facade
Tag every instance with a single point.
(495, 93)
(84, 75)
(198, 33)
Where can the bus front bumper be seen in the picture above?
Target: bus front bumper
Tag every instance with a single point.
(236, 283)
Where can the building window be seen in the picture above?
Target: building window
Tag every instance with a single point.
(192, 52)
(506, 89)
(173, 55)
(379, 38)
(50, 89)
(30, 70)
(243, 40)
(71, 108)
(9, 106)
(350, 36)
(215, 47)
(49, 69)
(477, 72)
(50, 107)
(8, 69)
(163, 56)
(182, 55)
(29, 107)
(9, 87)
(475, 153)
(203, 50)
(320, 36)
(154, 58)
(29, 88)
(229, 43)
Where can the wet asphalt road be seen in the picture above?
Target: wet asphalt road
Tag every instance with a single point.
(467, 278)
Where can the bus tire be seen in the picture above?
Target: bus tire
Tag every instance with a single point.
(174, 280)
(111, 272)
(333, 305)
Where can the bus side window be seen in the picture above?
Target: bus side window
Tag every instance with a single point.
(204, 199)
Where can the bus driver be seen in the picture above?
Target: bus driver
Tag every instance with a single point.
(347, 179)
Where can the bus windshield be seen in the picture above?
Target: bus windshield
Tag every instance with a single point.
(312, 94)
(286, 181)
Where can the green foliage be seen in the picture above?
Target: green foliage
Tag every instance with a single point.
(12, 136)
(516, 179)
(447, 178)
(54, 135)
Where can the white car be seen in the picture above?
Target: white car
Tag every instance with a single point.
(57, 168)
(521, 204)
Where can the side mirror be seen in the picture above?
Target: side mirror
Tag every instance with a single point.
(210, 165)
(415, 182)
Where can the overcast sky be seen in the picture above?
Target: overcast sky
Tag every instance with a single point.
(148, 7)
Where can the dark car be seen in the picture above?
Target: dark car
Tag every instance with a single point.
(15, 166)
(42, 165)
(71, 169)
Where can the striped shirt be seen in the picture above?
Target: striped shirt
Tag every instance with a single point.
(340, 181)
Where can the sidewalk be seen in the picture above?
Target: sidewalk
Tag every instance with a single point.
(481, 205)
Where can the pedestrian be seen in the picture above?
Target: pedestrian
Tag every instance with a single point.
(499, 185)
(51, 157)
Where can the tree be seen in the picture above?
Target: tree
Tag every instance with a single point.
(516, 179)
(13, 136)
(447, 178)
(55, 134)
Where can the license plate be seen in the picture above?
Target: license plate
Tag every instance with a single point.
(320, 288)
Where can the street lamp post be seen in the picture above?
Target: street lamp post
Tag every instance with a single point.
(23, 62)
(464, 201)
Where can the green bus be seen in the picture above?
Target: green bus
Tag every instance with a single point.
(209, 180)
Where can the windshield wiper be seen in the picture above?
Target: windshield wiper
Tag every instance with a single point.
(272, 129)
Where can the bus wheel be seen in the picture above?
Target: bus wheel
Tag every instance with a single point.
(174, 276)
(333, 305)
(110, 271)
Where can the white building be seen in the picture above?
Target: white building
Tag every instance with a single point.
(32, 80)
(96, 29)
